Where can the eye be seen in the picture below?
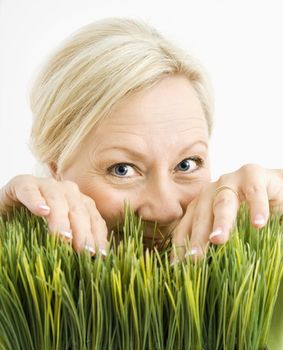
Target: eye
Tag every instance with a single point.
(121, 170)
(192, 164)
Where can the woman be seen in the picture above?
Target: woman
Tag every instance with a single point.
(121, 114)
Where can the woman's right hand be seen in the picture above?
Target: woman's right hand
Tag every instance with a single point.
(69, 212)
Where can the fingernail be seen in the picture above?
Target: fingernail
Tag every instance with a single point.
(89, 248)
(215, 233)
(103, 251)
(44, 207)
(193, 251)
(67, 234)
(259, 219)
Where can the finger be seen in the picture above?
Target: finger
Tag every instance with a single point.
(58, 219)
(180, 237)
(275, 191)
(256, 196)
(201, 226)
(225, 208)
(24, 189)
(98, 227)
(254, 190)
(79, 219)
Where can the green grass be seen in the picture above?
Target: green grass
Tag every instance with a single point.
(54, 298)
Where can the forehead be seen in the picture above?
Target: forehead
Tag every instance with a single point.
(170, 109)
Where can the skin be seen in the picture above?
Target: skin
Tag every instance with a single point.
(152, 151)
(153, 131)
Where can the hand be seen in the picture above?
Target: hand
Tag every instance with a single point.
(69, 212)
(211, 216)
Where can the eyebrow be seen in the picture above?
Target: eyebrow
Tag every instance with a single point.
(139, 155)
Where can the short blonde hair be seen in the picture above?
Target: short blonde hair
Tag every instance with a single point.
(91, 71)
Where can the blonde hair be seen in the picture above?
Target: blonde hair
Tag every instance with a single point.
(91, 71)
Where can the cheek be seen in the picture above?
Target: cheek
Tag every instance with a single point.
(192, 192)
(109, 203)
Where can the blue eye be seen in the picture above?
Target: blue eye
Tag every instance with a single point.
(191, 164)
(121, 169)
(184, 165)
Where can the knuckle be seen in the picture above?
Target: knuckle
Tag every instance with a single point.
(23, 178)
(76, 208)
(251, 190)
(198, 217)
(50, 181)
(198, 220)
(25, 183)
(17, 190)
(27, 188)
(221, 220)
(55, 196)
(250, 167)
(53, 182)
(221, 200)
(222, 180)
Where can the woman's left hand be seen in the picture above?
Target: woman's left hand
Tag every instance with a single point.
(211, 215)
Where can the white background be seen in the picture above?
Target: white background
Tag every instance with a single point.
(239, 43)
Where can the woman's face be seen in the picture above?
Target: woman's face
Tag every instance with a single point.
(152, 151)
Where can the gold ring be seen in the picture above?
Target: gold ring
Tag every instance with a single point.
(221, 188)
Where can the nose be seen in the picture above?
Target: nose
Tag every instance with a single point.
(162, 202)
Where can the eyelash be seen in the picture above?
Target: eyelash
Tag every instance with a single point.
(199, 161)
